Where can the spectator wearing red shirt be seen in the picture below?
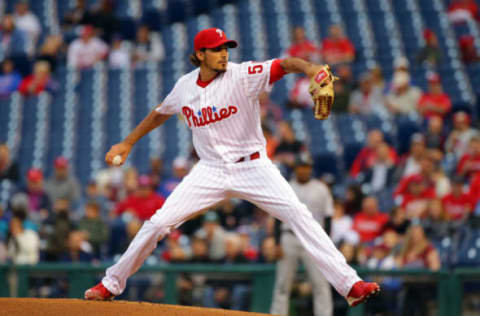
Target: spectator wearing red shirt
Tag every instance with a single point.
(369, 223)
(143, 203)
(417, 191)
(434, 102)
(470, 162)
(337, 48)
(302, 47)
(37, 82)
(458, 204)
(462, 10)
(366, 158)
(468, 49)
(475, 188)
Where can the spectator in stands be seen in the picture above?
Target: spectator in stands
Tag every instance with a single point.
(271, 140)
(288, 146)
(463, 10)
(337, 48)
(366, 158)
(76, 15)
(214, 234)
(38, 201)
(148, 46)
(403, 97)
(431, 54)
(38, 82)
(268, 252)
(12, 40)
(458, 205)
(342, 225)
(302, 47)
(93, 194)
(119, 57)
(23, 244)
(369, 223)
(143, 203)
(78, 248)
(86, 51)
(435, 102)
(58, 228)
(468, 49)
(63, 184)
(27, 21)
(299, 97)
(366, 99)
(470, 162)
(418, 251)
(379, 176)
(96, 230)
(199, 251)
(180, 167)
(434, 136)
(8, 169)
(398, 221)
(475, 190)
(9, 79)
(343, 88)
(376, 75)
(413, 193)
(410, 163)
(435, 223)
(459, 138)
(52, 50)
(174, 251)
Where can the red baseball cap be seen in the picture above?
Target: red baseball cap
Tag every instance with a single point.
(34, 175)
(60, 163)
(212, 37)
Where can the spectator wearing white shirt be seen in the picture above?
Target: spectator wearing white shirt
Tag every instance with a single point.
(26, 21)
(23, 244)
(148, 46)
(120, 55)
(86, 51)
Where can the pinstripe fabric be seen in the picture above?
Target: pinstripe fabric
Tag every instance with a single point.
(201, 188)
(257, 181)
(225, 122)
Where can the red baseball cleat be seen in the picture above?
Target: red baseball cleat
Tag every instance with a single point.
(361, 291)
(99, 293)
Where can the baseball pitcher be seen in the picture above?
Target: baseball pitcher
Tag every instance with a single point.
(219, 101)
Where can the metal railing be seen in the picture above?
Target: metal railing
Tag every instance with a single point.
(449, 283)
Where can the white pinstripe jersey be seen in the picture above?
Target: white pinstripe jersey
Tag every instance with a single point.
(225, 115)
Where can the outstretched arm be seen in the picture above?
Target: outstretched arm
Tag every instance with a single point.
(296, 65)
(153, 120)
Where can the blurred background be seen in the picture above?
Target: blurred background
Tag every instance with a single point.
(400, 154)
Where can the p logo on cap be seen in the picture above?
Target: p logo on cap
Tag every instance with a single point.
(211, 38)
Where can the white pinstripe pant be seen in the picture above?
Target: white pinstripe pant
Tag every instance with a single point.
(258, 181)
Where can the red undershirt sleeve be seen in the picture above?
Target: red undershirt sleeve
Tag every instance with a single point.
(276, 71)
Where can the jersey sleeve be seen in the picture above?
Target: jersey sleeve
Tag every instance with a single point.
(172, 103)
(256, 76)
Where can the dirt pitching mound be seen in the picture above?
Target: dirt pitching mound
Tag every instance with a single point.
(76, 307)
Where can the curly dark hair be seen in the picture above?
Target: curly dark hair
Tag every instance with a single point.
(194, 59)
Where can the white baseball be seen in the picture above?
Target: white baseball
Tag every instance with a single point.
(117, 160)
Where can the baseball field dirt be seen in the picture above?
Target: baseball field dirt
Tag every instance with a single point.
(77, 307)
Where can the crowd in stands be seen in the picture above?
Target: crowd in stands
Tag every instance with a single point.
(396, 209)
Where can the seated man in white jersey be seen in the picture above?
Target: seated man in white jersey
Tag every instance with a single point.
(219, 100)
